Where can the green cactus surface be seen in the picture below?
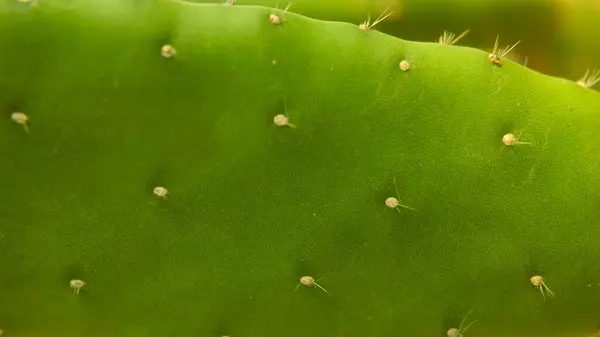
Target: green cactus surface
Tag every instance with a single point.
(254, 204)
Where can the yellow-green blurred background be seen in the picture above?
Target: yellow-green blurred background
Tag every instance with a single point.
(558, 37)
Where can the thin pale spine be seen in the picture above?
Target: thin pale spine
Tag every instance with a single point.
(315, 283)
(463, 34)
(517, 141)
(496, 45)
(407, 207)
(550, 292)
(460, 328)
(594, 79)
(542, 291)
(381, 17)
(286, 8)
(507, 50)
(466, 328)
(293, 126)
(368, 25)
(399, 199)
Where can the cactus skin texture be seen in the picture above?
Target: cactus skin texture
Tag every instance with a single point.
(252, 207)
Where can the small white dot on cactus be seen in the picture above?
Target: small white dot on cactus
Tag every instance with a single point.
(278, 18)
(21, 119)
(168, 51)
(453, 332)
(160, 191)
(282, 120)
(392, 202)
(76, 285)
(404, 65)
(538, 282)
(395, 203)
(509, 139)
(309, 281)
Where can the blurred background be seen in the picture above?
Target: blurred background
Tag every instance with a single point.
(558, 37)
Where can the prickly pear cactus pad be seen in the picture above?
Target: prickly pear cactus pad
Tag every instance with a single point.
(177, 169)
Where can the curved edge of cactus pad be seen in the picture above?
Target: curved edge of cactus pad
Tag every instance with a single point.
(176, 169)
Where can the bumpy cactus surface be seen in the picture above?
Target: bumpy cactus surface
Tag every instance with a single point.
(176, 169)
